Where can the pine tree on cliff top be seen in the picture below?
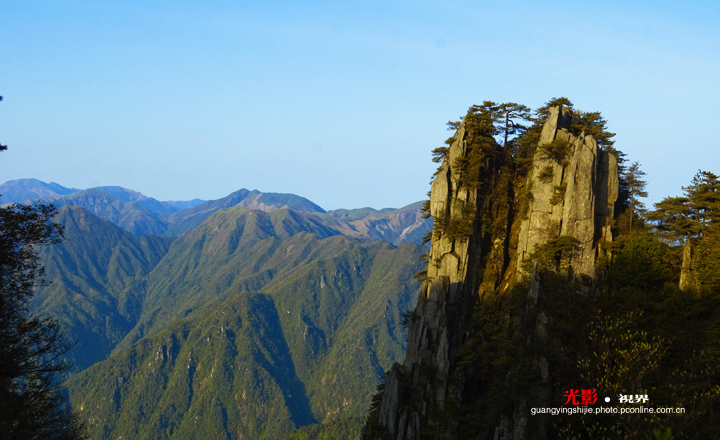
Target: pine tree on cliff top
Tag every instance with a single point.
(509, 117)
(543, 112)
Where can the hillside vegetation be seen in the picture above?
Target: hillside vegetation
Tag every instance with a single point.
(252, 324)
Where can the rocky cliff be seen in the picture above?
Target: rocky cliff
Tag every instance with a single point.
(499, 211)
(574, 187)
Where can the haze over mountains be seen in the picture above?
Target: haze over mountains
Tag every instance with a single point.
(245, 317)
(142, 215)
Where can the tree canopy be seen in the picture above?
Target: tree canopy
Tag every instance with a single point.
(689, 216)
(636, 189)
(31, 347)
(510, 117)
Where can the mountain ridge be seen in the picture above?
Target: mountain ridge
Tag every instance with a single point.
(144, 215)
(23, 190)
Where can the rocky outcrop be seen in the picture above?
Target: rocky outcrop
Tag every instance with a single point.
(572, 194)
(688, 275)
(501, 221)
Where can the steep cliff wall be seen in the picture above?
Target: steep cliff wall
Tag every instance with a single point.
(491, 217)
(574, 186)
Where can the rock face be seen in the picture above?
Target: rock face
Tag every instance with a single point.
(569, 194)
(573, 196)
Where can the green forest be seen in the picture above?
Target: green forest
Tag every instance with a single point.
(250, 325)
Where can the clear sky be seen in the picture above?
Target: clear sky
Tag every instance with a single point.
(339, 102)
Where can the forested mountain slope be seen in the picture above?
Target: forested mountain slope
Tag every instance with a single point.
(312, 320)
(95, 277)
(129, 215)
(305, 351)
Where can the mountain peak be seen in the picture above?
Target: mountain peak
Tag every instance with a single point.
(23, 190)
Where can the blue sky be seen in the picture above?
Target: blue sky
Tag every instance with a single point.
(340, 102)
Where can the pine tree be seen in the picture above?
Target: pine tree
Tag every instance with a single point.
(686, 219)
(636, 188)
(704, 196)
(507, 116)
(544, 112)
(31, 347)
(593, 124)
(480, 129)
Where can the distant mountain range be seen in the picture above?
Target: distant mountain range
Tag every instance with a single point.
(257, 315)
(27, 190)
(142, 215)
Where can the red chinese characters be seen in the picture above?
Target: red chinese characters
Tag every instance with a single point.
(589, 397)
(581, 397)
